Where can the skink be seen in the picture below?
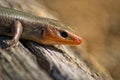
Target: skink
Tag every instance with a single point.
(38, 29)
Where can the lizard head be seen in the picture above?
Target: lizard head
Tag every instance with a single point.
(54, 32)
(52, 35)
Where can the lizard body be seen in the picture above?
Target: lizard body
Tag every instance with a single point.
(41, 30)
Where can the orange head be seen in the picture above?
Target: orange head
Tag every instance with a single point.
(53, 35)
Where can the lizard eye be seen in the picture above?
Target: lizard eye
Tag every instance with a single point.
(64, 34)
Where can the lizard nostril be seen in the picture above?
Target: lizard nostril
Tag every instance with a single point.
(64, 34)
(79, 40)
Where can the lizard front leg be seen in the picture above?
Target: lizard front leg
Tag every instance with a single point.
(17, 30)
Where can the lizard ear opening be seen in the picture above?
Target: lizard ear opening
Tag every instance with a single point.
(64, 34)
(42, 31)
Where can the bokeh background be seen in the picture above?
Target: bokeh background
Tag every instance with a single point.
(98, 22)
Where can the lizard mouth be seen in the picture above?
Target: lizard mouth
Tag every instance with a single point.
(51, 41)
